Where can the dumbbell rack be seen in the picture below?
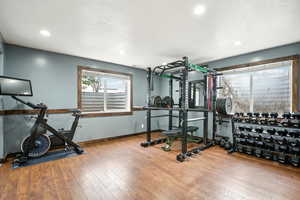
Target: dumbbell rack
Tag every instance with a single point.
(270, 141)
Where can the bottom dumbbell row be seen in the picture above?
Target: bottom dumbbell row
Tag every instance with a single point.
(281, 157)
(279, 146)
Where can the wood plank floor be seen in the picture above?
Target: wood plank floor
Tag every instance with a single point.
(121, 169)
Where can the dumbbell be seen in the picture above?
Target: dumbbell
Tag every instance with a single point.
(189, 154)
(294, 146)
(282, 158)
(256, 114)
(242, 141)
(267, 154)
(273, 118)
(269, 146)
(218, 140)
(296, 150)
(264, 118)
(248, 128)
(295, 160)
(258, 152)
(280, 140)
(240, 148)
(259, 144)
(283, 148)
(223, 142)
(255, 136)
(241, 128)
(282, 132)
(275, 157)
(271, 131)
(295, 122)
(254, 119)
(249, 114)
(145, 144)
(250, 141)
(273, 115)
(286, 121)
(181, 157)
(267, 138)
(259, 130)
(196, 151)
(248, 118)
(249, 150)
(154, 142)
(243, 135)
(241, 117)
(228, 145)
(236, 117)
(265, 115)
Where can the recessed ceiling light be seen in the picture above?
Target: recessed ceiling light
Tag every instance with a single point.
(199, 10)
(237, 43)
(45, 33)
(122, 52)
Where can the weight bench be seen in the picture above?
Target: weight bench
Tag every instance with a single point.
(174, 134)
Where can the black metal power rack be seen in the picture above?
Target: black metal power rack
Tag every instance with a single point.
(179, 71)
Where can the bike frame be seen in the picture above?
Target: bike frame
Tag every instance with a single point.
(40, 121)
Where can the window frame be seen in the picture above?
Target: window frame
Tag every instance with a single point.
(294, 75)
(101, 114)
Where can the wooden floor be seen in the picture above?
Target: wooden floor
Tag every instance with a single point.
(121, 169)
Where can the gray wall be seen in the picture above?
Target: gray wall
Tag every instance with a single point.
(277, 52)
(54, 81)
(1, 73)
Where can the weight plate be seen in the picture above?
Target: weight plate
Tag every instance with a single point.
(224, 106)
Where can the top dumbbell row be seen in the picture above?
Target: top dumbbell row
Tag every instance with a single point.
(286, 120)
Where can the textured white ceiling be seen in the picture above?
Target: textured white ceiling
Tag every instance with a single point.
(150, 32)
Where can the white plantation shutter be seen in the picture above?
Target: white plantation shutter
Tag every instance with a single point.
(262, 88)
(117, 101)
(92, 101)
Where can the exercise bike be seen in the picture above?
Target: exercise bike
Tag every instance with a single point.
(38, 143)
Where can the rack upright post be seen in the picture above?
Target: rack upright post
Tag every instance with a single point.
(184, 105)
(205, 125)
(170, 111)
(149, 78)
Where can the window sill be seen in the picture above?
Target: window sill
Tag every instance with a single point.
(111, 114)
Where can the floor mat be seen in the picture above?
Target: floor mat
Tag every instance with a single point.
(54, 155)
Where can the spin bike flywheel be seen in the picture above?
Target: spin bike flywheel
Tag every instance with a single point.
(41, 145)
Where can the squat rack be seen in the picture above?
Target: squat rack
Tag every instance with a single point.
(179, 70)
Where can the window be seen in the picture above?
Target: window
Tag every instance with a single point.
(103, 92)
(267, 87)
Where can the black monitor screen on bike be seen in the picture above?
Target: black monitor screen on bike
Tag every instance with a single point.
(15, 86)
